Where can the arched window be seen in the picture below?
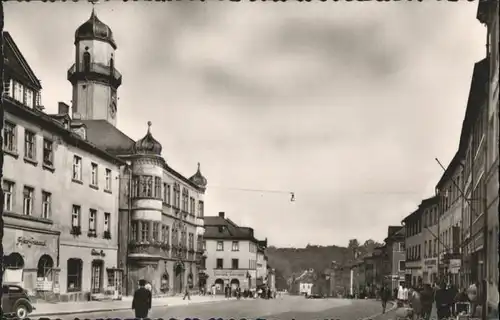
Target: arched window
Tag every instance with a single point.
(74, 280)
(86, 61)
(45, 265)
(14, 261)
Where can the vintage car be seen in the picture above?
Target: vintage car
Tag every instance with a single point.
(15, 302)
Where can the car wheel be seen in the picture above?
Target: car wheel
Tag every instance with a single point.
(21, 312)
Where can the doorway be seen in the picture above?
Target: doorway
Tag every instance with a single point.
(96, 276)
(178, 277)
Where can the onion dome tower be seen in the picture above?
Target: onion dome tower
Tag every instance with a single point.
(93, 75)
(199, 179)
(147, 145)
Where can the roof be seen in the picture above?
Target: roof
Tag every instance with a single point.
(229, 230)
(108, 137)
(477, 97)
(413, 215)
(483, 9)
(17, 63)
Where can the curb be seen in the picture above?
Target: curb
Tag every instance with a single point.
(65, 313)
(394, 307)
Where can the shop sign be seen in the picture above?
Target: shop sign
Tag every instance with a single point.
(31, 242)
(230, 273)
(455, 266)
(430, 263)
(99, 253)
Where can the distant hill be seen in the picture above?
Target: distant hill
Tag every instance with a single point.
(290, 262)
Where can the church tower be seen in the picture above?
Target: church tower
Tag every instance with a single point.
(93, 75)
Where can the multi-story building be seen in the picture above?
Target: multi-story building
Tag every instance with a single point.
(60, 194)
(473, 146)
(261, 275)
(395, 243)
(161, 211)
(413, 247)
(430, 218)
(449, 189)
(232, 254)
(488, 14)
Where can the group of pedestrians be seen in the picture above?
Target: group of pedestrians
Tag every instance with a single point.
(448, 299)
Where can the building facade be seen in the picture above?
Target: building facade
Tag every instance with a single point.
(161, 211)
(60, 195)
(232, 254)
(488, 15)
(430, 219)
(413, 247)
(395, 243)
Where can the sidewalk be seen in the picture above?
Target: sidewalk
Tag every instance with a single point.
(64, 308)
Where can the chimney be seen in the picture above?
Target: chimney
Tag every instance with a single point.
(63, 108)
(222, 215)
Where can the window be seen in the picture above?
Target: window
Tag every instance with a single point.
(92, 220)
(74, 275)
(219, 264)
(156, 227)
(425, 249)
(146, 186)
(200, 209)
(107, 222)
(185, 197)
(191, 241)
(9, 137)
(46, 201)
(94, 175)
(86, 61)
(157, 187)
(77, 168)
(8, 195)
(29, 98)
(108, 180)
(167, 194)
(220, 246)
(401, 246)
(29, 145)
(28, 201)
(235, 246)
(234, 264)
(191, 205)
(177, 195)
(18, 92)
(430, 249)
(144, 231)
(48, 154)
(75, 216)
(135, 228)
(204, 245)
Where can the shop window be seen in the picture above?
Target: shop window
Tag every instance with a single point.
(74, 280)
(14, 261)
(45, 265)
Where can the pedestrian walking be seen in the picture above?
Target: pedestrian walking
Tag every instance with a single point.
(426, 300)
(141, 303)
(213, 290)
(416, 304)
(186, 294)
(385, 295)
(443, 302)
(473, 297)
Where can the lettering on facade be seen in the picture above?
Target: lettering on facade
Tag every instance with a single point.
(31, 242)
(230, 273)
(429, 263)
(454, 266)
(99, 253)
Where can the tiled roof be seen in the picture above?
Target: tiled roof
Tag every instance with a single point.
(108, 137)
(223, 228)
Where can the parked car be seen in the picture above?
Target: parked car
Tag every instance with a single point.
(16, 302)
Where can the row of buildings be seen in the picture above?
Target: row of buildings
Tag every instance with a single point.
(87, 209)
(453, 236)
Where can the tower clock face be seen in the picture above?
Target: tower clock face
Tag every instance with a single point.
(112, 105)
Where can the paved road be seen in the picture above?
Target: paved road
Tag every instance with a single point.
(287, 308)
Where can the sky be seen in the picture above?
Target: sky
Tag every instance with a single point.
(346, 105)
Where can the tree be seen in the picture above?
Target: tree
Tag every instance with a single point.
(352, 248)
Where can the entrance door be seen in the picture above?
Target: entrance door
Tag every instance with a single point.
(179, 273)
(96, 276)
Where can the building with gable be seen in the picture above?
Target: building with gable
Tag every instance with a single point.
(233, 254)
(161, 211)
(395, 244)
(60, 195)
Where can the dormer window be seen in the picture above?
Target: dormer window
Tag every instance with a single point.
(86, 61)
(28, 97)
(221, 229)
(18, 91)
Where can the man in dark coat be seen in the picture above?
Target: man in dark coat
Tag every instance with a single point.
(142, 301)
(426, 300)
(385, 295)
(443, 302)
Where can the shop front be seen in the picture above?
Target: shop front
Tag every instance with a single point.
(33, 258)
(89, 273)
(233, 278)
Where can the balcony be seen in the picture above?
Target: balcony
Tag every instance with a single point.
(148, 247)
(96, 70)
